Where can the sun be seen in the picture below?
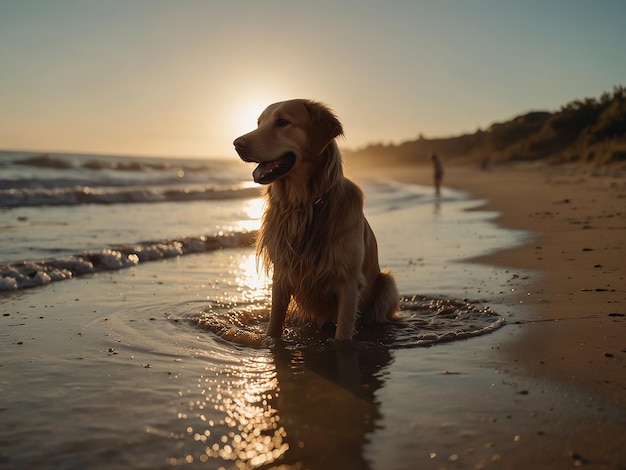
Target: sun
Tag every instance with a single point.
(251, 98)
(251, 111)
(247, 112)
(242, 101)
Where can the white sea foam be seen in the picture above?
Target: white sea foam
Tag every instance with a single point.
(28, 274)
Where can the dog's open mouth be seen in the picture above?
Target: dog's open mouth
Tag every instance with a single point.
(267, 172)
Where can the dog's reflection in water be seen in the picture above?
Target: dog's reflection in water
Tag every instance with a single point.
(327, 401)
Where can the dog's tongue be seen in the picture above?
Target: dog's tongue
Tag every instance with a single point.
(262, 173)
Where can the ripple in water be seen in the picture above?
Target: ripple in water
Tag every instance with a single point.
(424, 321)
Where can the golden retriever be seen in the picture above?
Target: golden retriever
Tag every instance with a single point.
(314, 235)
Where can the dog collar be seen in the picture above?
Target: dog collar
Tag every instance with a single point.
(320, 201)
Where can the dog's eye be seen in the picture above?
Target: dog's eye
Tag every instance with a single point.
(281, 122)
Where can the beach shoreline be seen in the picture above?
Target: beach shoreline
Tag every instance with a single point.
(139, 373)
(576, 303)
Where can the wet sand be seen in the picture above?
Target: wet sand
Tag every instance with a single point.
(573, 329)
(98, 372)
(575, 332)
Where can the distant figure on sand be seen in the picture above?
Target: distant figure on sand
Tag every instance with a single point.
(438, 172)
(484, 164)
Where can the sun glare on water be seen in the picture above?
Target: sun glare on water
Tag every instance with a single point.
(251, 279)
(253, 211)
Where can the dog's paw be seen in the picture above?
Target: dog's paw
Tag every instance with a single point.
(341, 344)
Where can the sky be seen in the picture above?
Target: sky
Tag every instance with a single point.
(185, 78)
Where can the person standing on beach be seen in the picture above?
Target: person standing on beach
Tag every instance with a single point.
(438, 172)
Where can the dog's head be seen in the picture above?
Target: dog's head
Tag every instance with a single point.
(289, 134)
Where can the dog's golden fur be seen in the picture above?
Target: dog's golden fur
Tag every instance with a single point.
(314, 235)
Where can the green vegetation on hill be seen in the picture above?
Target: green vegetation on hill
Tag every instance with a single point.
(592, 131)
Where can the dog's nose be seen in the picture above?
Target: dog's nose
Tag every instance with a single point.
(239, 143)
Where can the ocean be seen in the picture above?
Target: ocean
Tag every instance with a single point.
(68, 215)
(133, 315)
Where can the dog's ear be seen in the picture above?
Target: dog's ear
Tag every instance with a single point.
(323, 126)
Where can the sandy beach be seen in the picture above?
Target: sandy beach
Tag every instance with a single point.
(576, 330)
(573, 332)
(578, 300)
(578, 307)
(107, 371)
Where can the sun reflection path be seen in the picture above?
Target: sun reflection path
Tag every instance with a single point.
(248, 431)
(252, 281)
(253, 211)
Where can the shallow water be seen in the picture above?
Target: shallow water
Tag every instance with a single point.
(423, 321)
(107, 371)
(164, 363)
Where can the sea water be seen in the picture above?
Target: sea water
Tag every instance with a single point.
(133, 316)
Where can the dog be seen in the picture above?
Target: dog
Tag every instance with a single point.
(314, 237)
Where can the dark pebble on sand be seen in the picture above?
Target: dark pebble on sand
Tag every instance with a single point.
(615, 314)
(609, 355)
(577, 457)
(587, 249)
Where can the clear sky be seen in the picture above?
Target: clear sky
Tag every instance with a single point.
(185, 77)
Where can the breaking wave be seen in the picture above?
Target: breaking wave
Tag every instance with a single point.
(26, 274)
(53, 180)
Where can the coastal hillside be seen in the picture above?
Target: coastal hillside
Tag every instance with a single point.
(591, 131)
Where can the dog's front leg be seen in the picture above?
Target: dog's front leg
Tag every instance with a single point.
(280, 303)
(346, 315)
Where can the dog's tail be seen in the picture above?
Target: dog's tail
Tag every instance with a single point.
(385, 300)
